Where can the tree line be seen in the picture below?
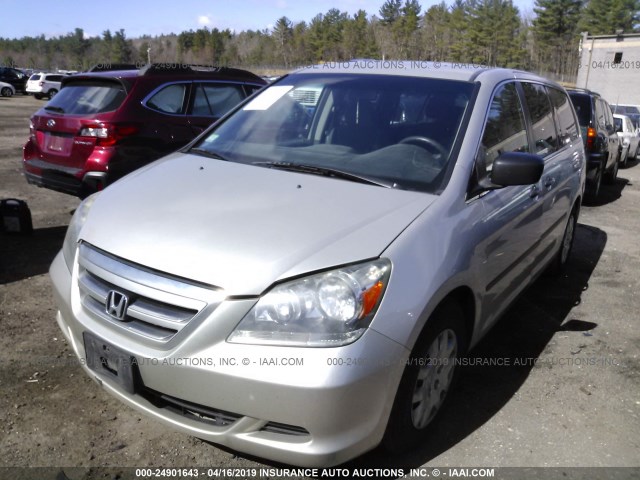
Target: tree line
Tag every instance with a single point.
(487, 32)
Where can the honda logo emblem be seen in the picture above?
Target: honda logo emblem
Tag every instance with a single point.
(117, 304)
(51, 123)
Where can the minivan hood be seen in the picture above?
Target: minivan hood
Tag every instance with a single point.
(241, 227)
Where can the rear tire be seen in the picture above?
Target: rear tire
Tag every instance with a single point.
(38, 96)
(428, 378)
(611, 176)
(593, 188)
(6, 92)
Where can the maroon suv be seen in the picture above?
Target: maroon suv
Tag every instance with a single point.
(103, 125)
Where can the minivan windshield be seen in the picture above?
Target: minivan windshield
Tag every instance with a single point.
(395, 131)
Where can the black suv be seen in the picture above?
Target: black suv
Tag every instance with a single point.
(15, 77)
(601, 141)
(105, 124)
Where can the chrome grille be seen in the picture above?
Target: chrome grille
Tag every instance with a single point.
(157, 306)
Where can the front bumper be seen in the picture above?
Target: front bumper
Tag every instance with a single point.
(303, 406)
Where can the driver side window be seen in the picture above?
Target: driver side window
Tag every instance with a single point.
(505, 128)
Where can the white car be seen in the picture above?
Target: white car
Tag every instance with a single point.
(7, 90)
(44, 84)
(629, 136)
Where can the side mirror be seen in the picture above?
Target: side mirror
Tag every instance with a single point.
(515, 168)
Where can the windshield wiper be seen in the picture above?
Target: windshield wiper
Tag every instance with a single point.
(207, 153)
(54, 108)
(327, 172)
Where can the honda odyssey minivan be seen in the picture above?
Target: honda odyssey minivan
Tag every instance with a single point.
(299, 282)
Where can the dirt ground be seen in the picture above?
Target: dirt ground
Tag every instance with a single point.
(569, 396)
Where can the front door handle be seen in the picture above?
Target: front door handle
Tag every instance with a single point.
(549, 182)
(534, 192)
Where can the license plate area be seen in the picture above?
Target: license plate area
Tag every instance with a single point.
(59, 144)
(111, 362)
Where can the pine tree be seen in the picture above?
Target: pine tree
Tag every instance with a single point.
(283, 34)
(494, 34)
(555, 33)
(604, 17)
(390, 12)
(436, 33)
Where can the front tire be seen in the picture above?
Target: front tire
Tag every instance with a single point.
(428, 378)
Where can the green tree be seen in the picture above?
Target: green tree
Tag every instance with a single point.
(436, 33)
(458, 28)
(357, 38)
(121, 48)
(604, 17)
(390, 11)
(75, 48)
(555, 34)
(283, 35)
(495, 34)
(106, 47)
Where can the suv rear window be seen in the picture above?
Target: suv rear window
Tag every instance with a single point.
(582, 104)
(35, 77)
(88, 98)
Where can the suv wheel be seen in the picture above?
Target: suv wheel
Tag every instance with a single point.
(593, 188)
(623, 163)
(612, 174)
(6, 92)
(38, 96)
(427, 379)
(52, 93)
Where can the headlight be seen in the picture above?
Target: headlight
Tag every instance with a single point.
(324, 310)
(71, 238)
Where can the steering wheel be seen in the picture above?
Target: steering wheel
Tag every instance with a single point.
(427, 143)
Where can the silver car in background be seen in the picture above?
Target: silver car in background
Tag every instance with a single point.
(300, 281)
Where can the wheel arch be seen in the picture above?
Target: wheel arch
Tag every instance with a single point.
(462, 296)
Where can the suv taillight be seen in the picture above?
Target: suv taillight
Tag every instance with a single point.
(591, 138)
(41, 83)
(108, 134)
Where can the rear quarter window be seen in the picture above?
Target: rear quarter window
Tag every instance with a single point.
(582, 104)
(88, 98)
(566, 121)
(169, 99)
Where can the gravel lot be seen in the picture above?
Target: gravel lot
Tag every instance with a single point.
(578, 404)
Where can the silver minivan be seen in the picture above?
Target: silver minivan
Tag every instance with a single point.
(300, 282)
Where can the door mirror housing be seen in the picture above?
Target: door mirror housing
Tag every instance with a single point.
(516, 168)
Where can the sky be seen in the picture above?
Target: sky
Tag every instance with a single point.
(20, 18)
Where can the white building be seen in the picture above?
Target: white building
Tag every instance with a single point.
(610, 65)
